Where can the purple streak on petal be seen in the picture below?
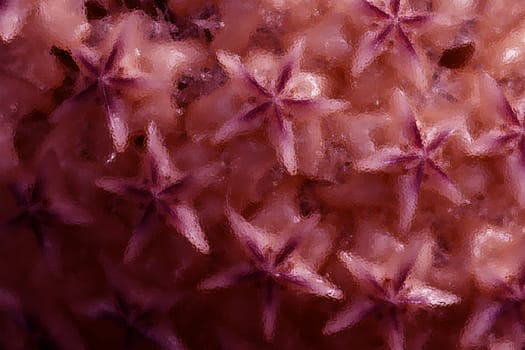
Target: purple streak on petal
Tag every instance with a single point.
(284, 77)
(270, 309)
(409, 193)
(124, 82)
(414, 20)
(438, 140)
(253, 82)
(255, 251)
(394, 7)
(508, 111)
(381, 37)
(376, 10)
(141, 234)
(184, 218)
(406, 265)
(123, 187)
(350, 316)
(414, 132)
(278, 118)
(361, 270)
(395, 332)
(503, 102)
(505, 139)
(90, 67)
(397, 160)
(407, 44)
(439, 171)
(298, 102)
(288, 248)
(175, 187)
(254, 112)
(113, 56)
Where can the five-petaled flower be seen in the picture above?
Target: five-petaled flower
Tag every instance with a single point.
(273, 263)
(137, 310)
(509, 138)
(276, 99)
(43, 204)
(396, 23)
(506, 304)
(103, 78)
(388, 292)
(166, 192)
(419, 160)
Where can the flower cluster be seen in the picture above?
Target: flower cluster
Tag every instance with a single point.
(214, 174)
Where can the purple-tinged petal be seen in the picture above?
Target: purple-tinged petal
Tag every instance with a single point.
(374, 9)
(370, 47)
(185, 220)
(227, 277)
(409, 187)
(492, 143)
(394, 6)
(164, 336)
(445, 183)
(521, 150)
(282, 137)
(515, 174)
(285, 252)
(232, 64)
(414, 20)
(284, 77)
(256, 111)
(69, 212)
(384, 159)
(320, 104)
(349, 316)
(402, 104)
(253, 239)
(116, 115)
(496, 95)
(439, 140)
(480, 324)
(364, 271)
(160, 157)
(237, 125)
(174, 188)
(406, 264)
(123, 187)
(270, 306)
(113, 56)
(429, 297)
(311, 282)
(291, 64)
(141, 234)
(125, 82)
(394, 331)
(407, 44)
(86, 62)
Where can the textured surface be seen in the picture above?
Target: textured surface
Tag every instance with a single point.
(263, 174)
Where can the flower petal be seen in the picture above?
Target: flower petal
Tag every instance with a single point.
(370, 47)
(164, 336)
(480, 324)
(283, 139)
(227, 277)
(349, 316)
(429, 297)
(311, 282)
(253, 239)
(185, 219)
(365, 272)
(160, 157)
(238, 124)
(493, 95)
(270, 308)
(385, 159)
(141, 234)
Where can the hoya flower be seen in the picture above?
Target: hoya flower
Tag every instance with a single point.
(276, 100)
(272, 262)
(388, 291)
(418, 160)
(397, 21)
(165, 192)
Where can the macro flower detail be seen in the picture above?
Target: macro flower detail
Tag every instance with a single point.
(276, 101)
(104, 78)
(389, 292)
(273, 263)
(43, 204)
(165, 192)
(419, 160)
(397, 22)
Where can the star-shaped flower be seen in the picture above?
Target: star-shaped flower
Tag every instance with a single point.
(43, 204)
(276, 100)
(272, 262)
(103, 78)
(509, 138)
(389, 293)
(136, 309)
(506, 304)
(396, 23)
(419, 160)
(165, 192)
